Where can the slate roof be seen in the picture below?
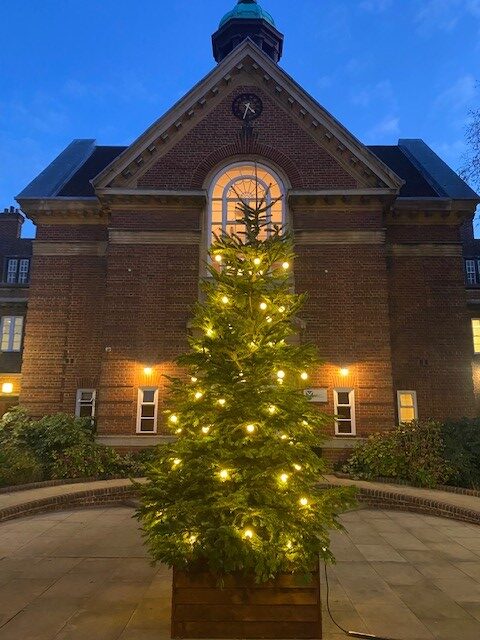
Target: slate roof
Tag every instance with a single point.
(415, 184)
(425, 174)
(79, 184)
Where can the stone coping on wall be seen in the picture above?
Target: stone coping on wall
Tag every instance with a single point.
(465, 508)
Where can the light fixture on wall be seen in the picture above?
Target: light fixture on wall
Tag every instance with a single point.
(344, 372)
(7, 387)
(148, 371)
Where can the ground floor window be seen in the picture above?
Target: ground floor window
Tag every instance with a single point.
(147, 410)
(344, 400)
(11, 331)
(407, 406)
(476, 334)
(85, 403)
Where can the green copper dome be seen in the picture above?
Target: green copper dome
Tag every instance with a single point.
(248, 10)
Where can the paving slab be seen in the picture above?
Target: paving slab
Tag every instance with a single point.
(58, 585)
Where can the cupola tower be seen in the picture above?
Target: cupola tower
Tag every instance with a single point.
(247, 20)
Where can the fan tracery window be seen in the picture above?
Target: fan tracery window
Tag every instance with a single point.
(251, 183)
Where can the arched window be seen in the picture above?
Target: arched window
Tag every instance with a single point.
(251, 183)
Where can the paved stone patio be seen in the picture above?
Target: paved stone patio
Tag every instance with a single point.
(84, 575)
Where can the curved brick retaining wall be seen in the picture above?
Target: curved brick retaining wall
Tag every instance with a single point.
(374, 497)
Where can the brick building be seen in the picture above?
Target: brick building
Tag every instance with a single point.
(15, 257)
(122, 234)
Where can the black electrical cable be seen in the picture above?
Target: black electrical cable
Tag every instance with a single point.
(351, 634)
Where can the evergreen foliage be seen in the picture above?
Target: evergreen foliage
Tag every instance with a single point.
(238, 490)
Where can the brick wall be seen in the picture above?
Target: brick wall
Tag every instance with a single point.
(188, 163)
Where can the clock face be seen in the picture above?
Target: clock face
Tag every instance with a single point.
(247, 107)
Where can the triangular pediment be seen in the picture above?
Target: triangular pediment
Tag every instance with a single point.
(247, 66)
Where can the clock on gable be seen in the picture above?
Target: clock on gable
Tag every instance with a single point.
(247, 107)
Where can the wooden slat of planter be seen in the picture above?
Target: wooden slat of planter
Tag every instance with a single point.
(254, 596)
(252, 630)
(207, 580)
(247, 613)
(285, 608)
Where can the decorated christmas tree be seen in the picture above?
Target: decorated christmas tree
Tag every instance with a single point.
(239, 489)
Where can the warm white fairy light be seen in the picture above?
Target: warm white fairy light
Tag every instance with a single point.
(194, 379)
(178, 431)
(218, 258)
(205, 430)
(210, 332)
(225, 300)
(248, 533)
(297, 467)
(304, 423)
(224, 474)
(198, 395)
(304, 502)
(304, 375)
(282, 309)
(263, 306)
(284, 478)
(222, 402)
(280, 375)
(286, 265)
(257, 262)
(176, 462)
(192, 539)
(269, 320)
(272, 409)
(250, 428)
(283, 437)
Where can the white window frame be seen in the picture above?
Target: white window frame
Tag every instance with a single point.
(141, 403)
(11, 334)
(79, 403)
(471, 271)
(338, 421)
(263, 167)
(400, 406)
(17, 270)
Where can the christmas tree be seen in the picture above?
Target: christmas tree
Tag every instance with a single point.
(239, 488)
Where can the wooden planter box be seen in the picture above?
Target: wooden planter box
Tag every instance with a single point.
(285, 608)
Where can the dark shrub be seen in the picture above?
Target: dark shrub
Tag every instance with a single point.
(462, 450)
(412, 452)
(18, 466)
(51, 435)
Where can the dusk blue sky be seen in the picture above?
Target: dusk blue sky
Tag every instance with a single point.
(107, 69)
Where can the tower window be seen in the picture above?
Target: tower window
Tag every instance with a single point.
(248, 183)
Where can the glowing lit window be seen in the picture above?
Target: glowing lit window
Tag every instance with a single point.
(476, 335)
(407, 406)
(12, 332)
(344, 401)
(147, 410)
(249, 183)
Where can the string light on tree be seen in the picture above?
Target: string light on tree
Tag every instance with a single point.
(218, 258)
(304, 375)
(248, 533)
(286, 266)
(205, 430)
(173, 419)
(304, 502)
(225, 300)
(224, 474)
(193, 379)
(263, 306)
(250, 428)
(284, 478)
(198, 395)
(222, 402)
